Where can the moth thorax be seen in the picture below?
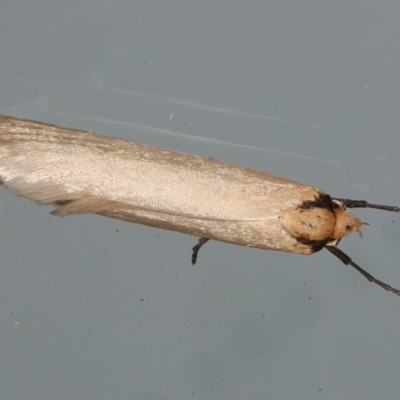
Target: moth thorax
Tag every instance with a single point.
(314, 224)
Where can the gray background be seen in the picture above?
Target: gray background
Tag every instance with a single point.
(94, 308)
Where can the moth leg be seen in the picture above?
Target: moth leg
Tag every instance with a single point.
(364, 204)
(197, 248)
(348, 261)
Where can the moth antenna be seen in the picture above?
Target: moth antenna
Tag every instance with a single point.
(364, 204)
(348, 261)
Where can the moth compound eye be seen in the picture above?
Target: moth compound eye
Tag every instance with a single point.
(348, 228)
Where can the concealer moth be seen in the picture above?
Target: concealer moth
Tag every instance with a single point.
(81, 172)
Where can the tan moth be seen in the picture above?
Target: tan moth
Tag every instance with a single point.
(82, 172)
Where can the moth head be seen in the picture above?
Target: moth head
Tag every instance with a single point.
(345, 224)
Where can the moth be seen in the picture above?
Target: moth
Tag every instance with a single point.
(82, 172)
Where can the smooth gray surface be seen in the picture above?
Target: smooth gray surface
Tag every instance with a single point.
(93, 308)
